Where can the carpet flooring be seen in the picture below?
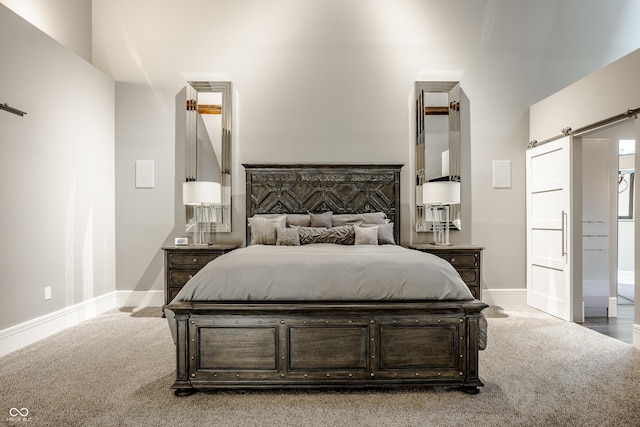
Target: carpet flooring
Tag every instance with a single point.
(116, 370)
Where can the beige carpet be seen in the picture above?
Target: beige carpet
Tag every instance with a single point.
(537, 370)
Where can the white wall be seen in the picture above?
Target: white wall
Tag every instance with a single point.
(66, 21)
(145, 217)
(302, 94)
(607, 92)
(315, 81)
(331, 81)
(56, 175)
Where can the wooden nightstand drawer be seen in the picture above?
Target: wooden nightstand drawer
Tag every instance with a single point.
(460, 259)
(191, 260)
(470, 277)
(466, 259)
(180, 277)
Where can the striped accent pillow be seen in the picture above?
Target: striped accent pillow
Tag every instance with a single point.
(263, 230)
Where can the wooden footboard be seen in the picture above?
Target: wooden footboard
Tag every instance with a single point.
(338, 345)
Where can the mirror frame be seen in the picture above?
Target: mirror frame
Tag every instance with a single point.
(423, 216)
(192, 90)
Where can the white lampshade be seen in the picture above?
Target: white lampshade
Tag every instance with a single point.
(201, 192)
(441, 193)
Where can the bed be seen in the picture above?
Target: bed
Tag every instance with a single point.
(371, 332)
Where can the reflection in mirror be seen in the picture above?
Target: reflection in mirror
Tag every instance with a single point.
(625, 194)
(626, 175)
(437, 144)
(208, 146)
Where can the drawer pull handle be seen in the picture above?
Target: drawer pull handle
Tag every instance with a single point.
(453, 260)
(195, 260)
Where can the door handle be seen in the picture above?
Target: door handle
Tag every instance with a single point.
(564, 233)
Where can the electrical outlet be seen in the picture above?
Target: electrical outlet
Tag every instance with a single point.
(47, 293)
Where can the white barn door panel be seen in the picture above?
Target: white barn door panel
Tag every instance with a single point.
(548, 178)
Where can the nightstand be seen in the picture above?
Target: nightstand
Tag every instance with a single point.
(466, 259)
(181, 263)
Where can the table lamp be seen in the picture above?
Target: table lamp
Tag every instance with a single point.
(438, 195)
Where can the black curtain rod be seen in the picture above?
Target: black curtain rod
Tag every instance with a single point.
(568, 131)
(5, 107)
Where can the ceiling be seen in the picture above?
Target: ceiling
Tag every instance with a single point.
(163, 43)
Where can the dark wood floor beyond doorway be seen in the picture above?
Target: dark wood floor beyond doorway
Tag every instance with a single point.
(620, 327)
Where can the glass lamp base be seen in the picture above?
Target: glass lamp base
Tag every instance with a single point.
(440, 216)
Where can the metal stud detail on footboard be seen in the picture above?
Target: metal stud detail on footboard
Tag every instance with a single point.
(228, 351)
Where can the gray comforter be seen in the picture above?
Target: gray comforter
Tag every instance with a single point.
(325, 272)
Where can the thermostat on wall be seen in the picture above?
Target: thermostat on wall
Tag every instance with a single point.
(181, 241)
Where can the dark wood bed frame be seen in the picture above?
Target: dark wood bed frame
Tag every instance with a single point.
(242, 345)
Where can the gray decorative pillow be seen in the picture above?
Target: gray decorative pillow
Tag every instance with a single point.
(385, 233)
(343, 235)
(287, 237)
(263, 230)
(365, 218)
(303, 220)
(292, 219)
(321, 220)
(366, 235)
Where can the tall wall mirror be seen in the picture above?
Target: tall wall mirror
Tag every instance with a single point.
(208, 146)
(438, 144)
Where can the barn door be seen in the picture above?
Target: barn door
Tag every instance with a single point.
(549, 272)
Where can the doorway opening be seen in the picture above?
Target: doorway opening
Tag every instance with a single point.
(626, 231)
(608, 258)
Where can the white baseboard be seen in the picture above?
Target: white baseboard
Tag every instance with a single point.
(18, 336)
(613, 307)
(140, 298)
(504, 297)
(636, 336)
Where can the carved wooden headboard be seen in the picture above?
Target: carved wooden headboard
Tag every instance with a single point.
(320, 188)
